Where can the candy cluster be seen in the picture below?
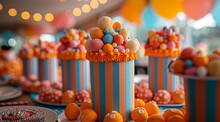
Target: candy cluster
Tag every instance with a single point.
(27, 50)
(166, 42)
(194, 63)
(161, 96)
(45, 49)
(110, 42)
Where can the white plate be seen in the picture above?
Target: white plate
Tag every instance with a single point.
(52, 104)
(7, 93)
(171, 105)
(50, 116)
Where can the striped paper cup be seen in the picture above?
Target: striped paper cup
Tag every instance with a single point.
(159, 76)
(202, 99)
(29, 66)
(112, 88)
(76, 75)
(47, 69)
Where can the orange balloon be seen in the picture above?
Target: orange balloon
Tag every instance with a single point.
(167, 8)
(132, 10)
(196, 9)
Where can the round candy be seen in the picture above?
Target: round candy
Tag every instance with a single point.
(54, 96)
(124, 32)
(99, 34)
(162, 97)
(145, 94)
(72, 111)
(155, 118)
(171, 45)
(139, 103)
(188, 63)
(87, 45)
(144, 84)
(106, 31)
(201, 71)
(173, 38)
(133, 45)
(176, 118)
(105, 22)
(108, 39)
(113, 116)
(137, 88)
(200, 60)
(108, 48)
(86, 105)
(120, 47)
(163, 46)
(74, 44)
(152, 108)
(160, 39)
(64, 40)
(92, 32)
(81, 48)
(171, 112)
(190, 71)
(178, 96)
(61, 48)
(116, 25)
(83, 41)
(188, 53)
(214, 68)
(150, 33)
(118, 39)
(88, 115)
(68, 97)
(96, 44)
(177, 67)
(139, 114)
(156, 44)
(82, 96)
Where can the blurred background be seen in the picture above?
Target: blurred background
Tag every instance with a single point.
(26, 20)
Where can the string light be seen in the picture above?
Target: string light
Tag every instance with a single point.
(12, 12)
(94, 4)
(25, 15)
(49, 17)
(86, 8)
(37, 17)
(77, 12)
(1, 6)
(103, 1)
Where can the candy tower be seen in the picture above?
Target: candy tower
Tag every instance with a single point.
(46, 53)
(28, 59)
(112, 54)
(161, 47)
(75, 67)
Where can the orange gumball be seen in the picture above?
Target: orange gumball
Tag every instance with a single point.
(82, 34)
(156, 118)
(99, 34)
(88, 115)
(68, 97)
(113, 116)
(200, 60)
(152, 108)
(176, 118)
(178, 96)
(116, 25)
(173, 38)
(171, 112)
(83, 41)
(108, 48)
(86, 105)
(178, 66)
(139, 114)
(72, 111)
(139, 103)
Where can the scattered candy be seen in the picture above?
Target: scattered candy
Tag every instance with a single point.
(139, 103)
(88, 115)
(82, 96)
(68, 97)
(155, 118)
(162, 97)
(113, 116)
(152, 108)
(86, 105)
(172, 112)
(178, 97)
(72, 111)
(139, 114)
(145, 94)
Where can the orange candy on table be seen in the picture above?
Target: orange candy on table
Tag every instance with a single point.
(200, 60)
(108, 48)
(86, 105)
(178, 67)
(72, 111)
(152, 108)
(99, 34)
(171, 112)
(139, 114)
(88, 115)
(113, 116)
(155, 118)
(176, 118)
(178, 96)
(68, 97)
(139, 103)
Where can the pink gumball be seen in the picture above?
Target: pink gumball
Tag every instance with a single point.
(169, 31)
(118, 39)
(120, 47)
(188, 53)
(96, 44)
(74, 44)
(61, 48)
(171, 45)
(190, 71)
(82, 48)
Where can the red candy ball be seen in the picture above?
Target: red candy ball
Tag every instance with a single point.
(162, 97)
(188, 53)
(118, 39)
(145, 94)
(81, 96)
